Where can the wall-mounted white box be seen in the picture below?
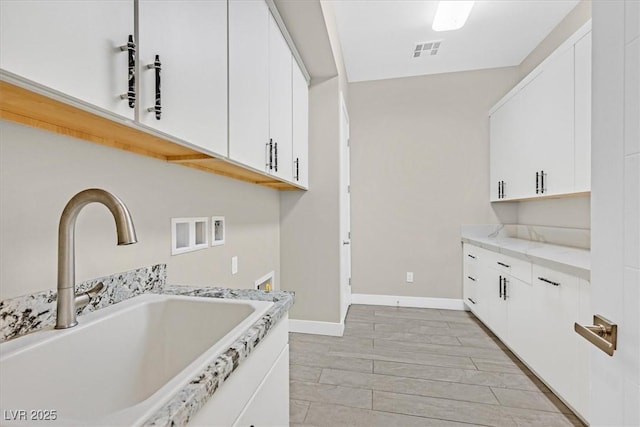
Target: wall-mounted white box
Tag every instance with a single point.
(218, 231)
(266, 282)
(189, 234)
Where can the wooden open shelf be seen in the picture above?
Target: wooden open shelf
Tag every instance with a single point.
(30, 108)
(552, 196)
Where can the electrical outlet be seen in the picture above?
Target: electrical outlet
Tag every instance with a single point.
(234, 265)
(409, 276)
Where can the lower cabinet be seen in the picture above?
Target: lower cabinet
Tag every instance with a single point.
(257, 392)
(532, 309)
(267, 407)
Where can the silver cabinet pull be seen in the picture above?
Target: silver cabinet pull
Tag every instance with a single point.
(603, 334)
(471, 278)
(346, 242)
(503, 264)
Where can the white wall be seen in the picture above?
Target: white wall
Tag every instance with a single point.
(419, 170)
(41, 171)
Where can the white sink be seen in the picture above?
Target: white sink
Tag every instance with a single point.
(122, 363)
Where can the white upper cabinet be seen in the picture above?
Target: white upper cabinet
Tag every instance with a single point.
(507, 126)
(300, 127)
(249, 83)
(583, 114)
(540, 132)
(72, 47)
(280, 102)
(189, 100)
(548, 112)
(212, 77)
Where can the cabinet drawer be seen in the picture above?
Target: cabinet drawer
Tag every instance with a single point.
(542, 276)
(515, 267)
(475, 255)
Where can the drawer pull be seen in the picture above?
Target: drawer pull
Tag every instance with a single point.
(551, 282)
(471, 278)
(500, 287)
(472, 301)
(503, 264)
(471, 256)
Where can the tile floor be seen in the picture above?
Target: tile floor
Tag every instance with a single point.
(415, 367)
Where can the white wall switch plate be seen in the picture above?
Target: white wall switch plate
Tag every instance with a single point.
(409, 276)
(234, 265)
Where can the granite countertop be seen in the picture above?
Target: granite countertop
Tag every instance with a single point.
(182, 406)
(26, 314)
(571, 260)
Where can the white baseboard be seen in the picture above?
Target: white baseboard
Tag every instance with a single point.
(398, 301)
(316, 327)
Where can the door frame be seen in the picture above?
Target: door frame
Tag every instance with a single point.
(345, 211)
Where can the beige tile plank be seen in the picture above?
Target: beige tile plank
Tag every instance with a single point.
(327, 415)
(346, 396)
(442, 389)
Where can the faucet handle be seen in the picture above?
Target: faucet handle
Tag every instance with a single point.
(88, 296)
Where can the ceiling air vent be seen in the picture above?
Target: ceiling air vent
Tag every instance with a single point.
(426, 49)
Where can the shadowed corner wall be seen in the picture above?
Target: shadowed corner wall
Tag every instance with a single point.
(420, 169)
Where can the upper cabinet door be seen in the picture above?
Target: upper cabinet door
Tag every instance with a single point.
(549, 116)
(583, 114)
(249, 82)
(506, 150)
(71, 46)
(189, 38)
(300, 127)
(280, 101)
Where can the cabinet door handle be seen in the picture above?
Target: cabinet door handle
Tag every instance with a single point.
(157, 108)
(504, 291)
(297, 169)
(270, 148)
(130, 47)
(537, 183)
(542, 189)
(472, 301)
(500, 286)
(499, 189)
(503, 264)
(551, 282)
(276, 154)
(471, 278)
(471, 256)
(503, 186)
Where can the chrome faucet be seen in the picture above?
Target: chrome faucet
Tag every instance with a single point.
(67, 300)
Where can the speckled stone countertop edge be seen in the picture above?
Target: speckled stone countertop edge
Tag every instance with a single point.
(29, 313)
(180, 408)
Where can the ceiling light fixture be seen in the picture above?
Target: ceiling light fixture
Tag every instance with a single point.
(451, 14)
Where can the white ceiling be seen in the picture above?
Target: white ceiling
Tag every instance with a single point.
(378, 37)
